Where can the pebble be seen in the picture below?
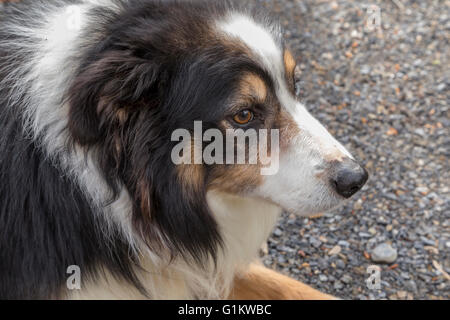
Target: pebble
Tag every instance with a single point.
(384, 253)
(323, 278)
(346, 279)
(441, 87)
(343, 243)
(411, 286)
(315, 242)
(402, 294)
(335, 250)
(278, 232)
(338, 285)
(340, 264)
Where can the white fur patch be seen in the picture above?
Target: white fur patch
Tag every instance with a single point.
(51, 54)
(244, 223)
(258, 38)
(255, 36)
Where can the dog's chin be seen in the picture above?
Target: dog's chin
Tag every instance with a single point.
(310, 211)
(305, 209)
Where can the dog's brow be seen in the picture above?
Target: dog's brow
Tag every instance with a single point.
(252, 85)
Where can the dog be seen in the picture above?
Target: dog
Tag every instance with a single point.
(90, 95)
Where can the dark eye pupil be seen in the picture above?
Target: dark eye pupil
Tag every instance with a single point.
(244, 114)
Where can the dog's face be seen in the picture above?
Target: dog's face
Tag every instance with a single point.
(155, 74)
(315, 171)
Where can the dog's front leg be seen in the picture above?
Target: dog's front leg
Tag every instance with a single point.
(260, 283)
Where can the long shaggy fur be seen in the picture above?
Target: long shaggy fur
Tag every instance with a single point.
(86, 118)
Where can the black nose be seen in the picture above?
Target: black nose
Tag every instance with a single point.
(350, 177)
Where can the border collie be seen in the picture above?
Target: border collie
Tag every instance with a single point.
(90, 94)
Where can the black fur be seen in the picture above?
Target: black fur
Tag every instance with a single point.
(46, 223)
(153, 68)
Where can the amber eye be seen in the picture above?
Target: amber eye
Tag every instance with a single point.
(243, 117)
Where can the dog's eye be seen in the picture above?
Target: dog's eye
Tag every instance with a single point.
(243, 117)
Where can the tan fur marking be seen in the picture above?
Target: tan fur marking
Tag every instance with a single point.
(122, 116)
(253, 86)
(235, 178)
(118, 146)
(191, 176)
(289, 63)
(145, 198)
(260, 283)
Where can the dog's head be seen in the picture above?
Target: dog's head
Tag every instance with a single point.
(157, 69)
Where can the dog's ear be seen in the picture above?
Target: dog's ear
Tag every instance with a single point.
(169, 202)
(171, 209)
(103, 88)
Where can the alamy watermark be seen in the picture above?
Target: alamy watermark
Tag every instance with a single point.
(235, 147)
(74, 280)
(373, 18)
(373, 282)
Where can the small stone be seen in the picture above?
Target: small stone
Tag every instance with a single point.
(346, 279)
(428, 242)
(384, 253)
(281, 260)
(323, 278)
(411, 285)
(338, 285)
(364, 235)
(340, 264)
(441, 87)
(358, 205)
(278, 232)
(423, 190)
(315, 242)
(335, 250)
(405, 275)
(365, 69)
(432, 249)
(343, 243)
(442, 286)
(402, 294)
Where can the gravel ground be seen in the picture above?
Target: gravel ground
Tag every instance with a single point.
(383, 92)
